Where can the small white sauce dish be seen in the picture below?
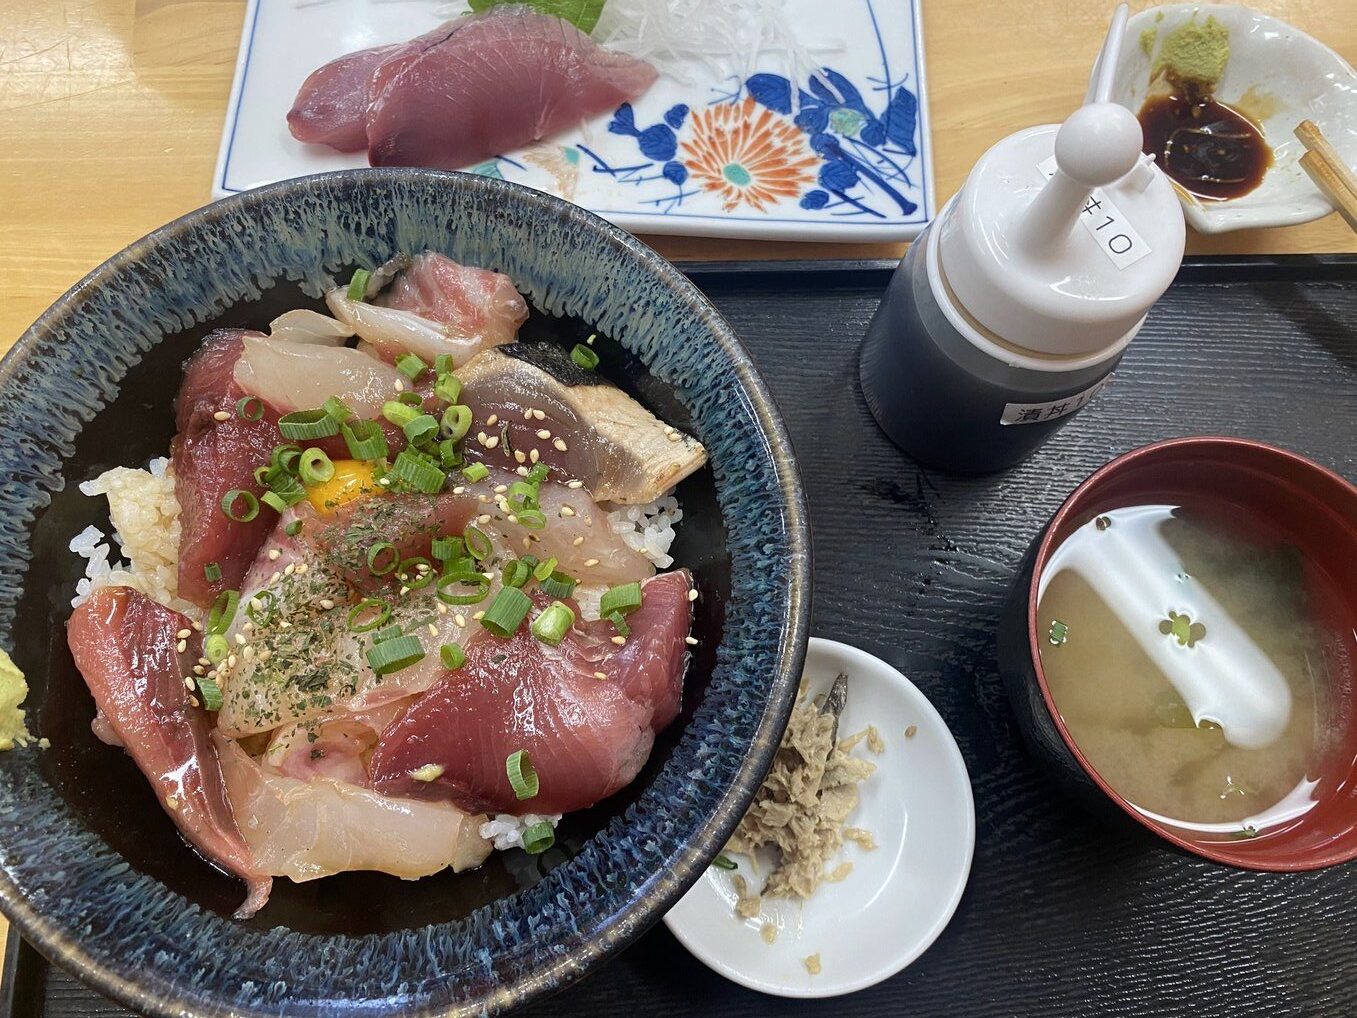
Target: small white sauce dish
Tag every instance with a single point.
(1278, 76)
(898, 897)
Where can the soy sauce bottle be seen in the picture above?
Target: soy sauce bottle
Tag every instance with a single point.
(1011, 311)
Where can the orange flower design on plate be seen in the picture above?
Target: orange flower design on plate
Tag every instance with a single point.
(748, 154)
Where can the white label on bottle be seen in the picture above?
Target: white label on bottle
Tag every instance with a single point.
(1116, 237)
(1035, 413)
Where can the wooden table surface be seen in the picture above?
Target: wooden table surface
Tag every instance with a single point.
(111, 110)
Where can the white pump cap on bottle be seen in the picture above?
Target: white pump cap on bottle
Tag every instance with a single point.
(1063, 236)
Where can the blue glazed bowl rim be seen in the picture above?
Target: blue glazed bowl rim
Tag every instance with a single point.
(155, 996)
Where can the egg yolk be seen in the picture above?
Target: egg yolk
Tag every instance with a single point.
(353, 479)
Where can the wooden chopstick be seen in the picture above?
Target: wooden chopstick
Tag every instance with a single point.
(1327, 169)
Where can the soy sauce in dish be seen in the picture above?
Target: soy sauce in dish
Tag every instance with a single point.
(1209, 148)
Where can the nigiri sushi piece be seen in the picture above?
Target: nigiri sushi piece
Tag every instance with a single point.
(331, 107)
(307, 829)
(492, 83)
(216, 451)
(432, 306)
(586, 711)
(125, 645)
(575, 421)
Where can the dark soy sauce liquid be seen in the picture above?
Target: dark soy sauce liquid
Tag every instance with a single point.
(1212, 150)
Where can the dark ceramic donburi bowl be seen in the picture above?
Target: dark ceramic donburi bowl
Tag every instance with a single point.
(92, 871)
(1292, 498)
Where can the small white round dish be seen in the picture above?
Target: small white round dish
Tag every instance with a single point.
(898, 897)
(1278, 76)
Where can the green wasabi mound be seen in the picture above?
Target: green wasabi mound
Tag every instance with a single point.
(13, 690)
(1193, 56)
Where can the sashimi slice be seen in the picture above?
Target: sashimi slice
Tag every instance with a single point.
(492, 83)
(311, 829)
(125, 647)
(301, 376)
(305, 326)
(211, 458)
(434, 306)
(329, 749)
(586, 736)
(332, 105)
(580, 424)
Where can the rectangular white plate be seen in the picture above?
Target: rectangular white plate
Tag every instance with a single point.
(850, 161)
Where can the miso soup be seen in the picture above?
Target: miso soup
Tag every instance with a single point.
(1185, 650)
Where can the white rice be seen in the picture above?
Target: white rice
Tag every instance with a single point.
(145, 517)
(649, 529)
(506, 830)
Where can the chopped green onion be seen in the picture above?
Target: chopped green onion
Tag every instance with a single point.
(212, 572)
(223, 611)
(293, 529)
(522, 495)
(544, 569)
(262, 474)
(584, 357)
(359, 611)
(393, 655)
(209, 692)
(421, 429)
(443, 363)
(538, 838)
(315, 467)
(507, 612)
(478, 546)
(387, 633)
(516, 573)
(358, 285)
(457, 421)
(724, 862)
(251, 504)
(411, 576)
(334, 406)
(445, 549)
(286, 486)
(477, 581)
(452, 655)
(410, 366)
(274, 501)
(413, 399)
(532, 519)
(260, 607)
(284, 457)
(538, 474)
(558, 585)
(216, 649)
(376, 552)
(250, 407)
(449, 454)
(521, 775)
(448, 387)
(365, 439)
(554, 622)
(308, 424)
(619, 622)
(416, 472)
(624, 599)
(398, 413)
(476, 472)
(531, 560)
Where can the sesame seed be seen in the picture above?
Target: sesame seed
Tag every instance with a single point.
(284, 624)
(911, 731)
(193, 700)
(483, 498)
(326, 603)
(567, 511)
(500, 489)
(483, 518)
(574, 485)
(460, 619)
(442, 608)
(591, 338)
(690, 641)
(188, 682)
(589, 563)
(404, 591)
(302, 567)
(559, 444)
(534, 455)
(600, 675)
(492, 420)
(578, 541)
(171, 803)
(181, 646)
(265, 654)
(519, 456)
(527, 541)
(248, 652)
(480, 437)
(478, 616)
(204, 662)
(384, 480)
(183, 634)
(275, 578)
(291, 568)
(274, 554)
(513, 518)
(400, 386)
(674, 436)
(433, 630)
(221, 415)
(248, 627)
(492, 441)
(522, 471)
(199, 670)
(619, 640)
(230, 661)
(197, 626)
(540, 415)
(692, 594)
(527, 414)
(543, 434)
(240, 639)
(459, 490)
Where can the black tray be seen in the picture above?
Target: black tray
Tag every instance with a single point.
(1063, 916)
